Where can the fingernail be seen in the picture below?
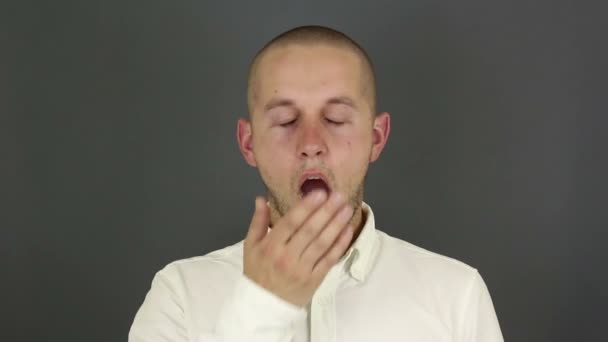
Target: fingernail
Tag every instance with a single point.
(318, 196)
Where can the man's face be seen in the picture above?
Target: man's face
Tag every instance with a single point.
(311, 118)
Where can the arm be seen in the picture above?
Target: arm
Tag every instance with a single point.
(250, 314)
(161, 316)
(281, 271)
(480, 323)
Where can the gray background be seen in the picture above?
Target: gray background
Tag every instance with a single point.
(119, 152)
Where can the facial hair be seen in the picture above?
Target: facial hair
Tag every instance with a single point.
(282, 206)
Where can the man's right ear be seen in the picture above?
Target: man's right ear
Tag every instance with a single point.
(244, 137)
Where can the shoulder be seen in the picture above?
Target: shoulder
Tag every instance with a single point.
(424, 265)
(219, 264)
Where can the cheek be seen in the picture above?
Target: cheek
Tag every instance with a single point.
(274, 158)
(355, 145)
(277, 140)
(271, 142)
(353, 156)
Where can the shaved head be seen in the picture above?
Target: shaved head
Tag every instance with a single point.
(312, 109)
(313, 36)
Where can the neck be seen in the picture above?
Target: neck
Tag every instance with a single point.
(357, 222)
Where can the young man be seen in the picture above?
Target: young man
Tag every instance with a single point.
(313, 266)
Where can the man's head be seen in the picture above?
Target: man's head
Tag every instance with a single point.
(311, 99)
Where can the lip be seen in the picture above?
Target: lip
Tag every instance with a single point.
(313, 173)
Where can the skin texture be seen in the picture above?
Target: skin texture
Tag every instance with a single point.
(311, 111)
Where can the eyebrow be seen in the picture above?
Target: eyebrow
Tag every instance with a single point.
(345, 100)
(281, 102)
(278, 102)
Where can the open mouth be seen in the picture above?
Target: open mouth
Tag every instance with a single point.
(310, 183)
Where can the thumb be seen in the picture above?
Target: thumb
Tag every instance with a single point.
(259, 222)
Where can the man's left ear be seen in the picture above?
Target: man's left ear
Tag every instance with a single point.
(381, 130)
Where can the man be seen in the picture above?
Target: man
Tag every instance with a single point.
(313, 266)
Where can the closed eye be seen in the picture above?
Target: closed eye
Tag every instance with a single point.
(337, 123)
(289, 123)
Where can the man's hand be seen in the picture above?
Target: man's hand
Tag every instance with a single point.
(293, 258)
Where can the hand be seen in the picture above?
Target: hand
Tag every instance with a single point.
(293, 258)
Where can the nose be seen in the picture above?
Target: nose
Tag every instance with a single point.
(311, 142)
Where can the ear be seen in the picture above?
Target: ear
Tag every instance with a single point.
(244, 138)
(381, 130)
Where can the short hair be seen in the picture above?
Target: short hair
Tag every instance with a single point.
(311, 35)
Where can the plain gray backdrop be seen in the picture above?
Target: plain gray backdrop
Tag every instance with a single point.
(119, 152)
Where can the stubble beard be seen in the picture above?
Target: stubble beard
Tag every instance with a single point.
(281, 206)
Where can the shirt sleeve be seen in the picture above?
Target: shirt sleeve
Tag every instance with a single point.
(480, 323)
(251, 313)
(161, 317)
(255, 314)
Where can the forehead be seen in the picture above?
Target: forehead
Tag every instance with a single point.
(308, 70)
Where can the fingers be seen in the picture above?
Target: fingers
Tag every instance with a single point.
(259, 222)
(317, 223)
(293, 258)
(332, 256)
(294, 219)
(323, 242)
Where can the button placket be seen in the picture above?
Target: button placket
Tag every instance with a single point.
(323, 311)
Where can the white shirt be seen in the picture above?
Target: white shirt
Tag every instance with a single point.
(383, 289)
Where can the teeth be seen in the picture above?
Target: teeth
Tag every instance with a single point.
(314, 177)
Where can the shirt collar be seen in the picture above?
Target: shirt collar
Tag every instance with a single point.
(360, 257)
